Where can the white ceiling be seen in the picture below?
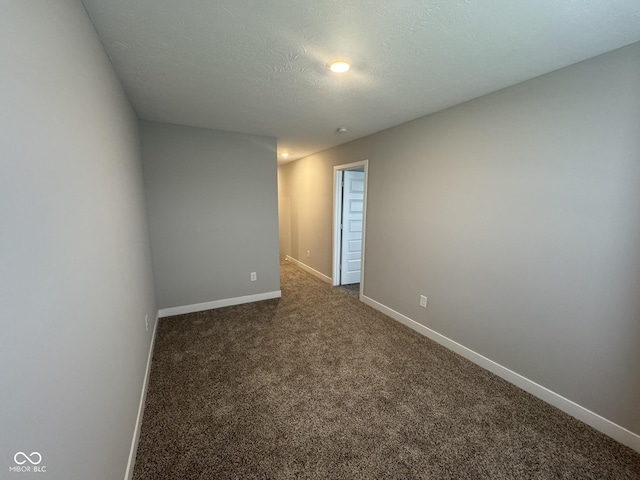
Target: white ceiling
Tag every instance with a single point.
(259, 66)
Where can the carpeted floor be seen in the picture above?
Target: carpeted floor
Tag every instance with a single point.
(353, 289)
(318, 385)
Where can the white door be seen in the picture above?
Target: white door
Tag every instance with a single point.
(352, 210)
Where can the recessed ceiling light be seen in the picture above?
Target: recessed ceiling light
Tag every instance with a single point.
(342, 130)
(284, 155)
(339, 66)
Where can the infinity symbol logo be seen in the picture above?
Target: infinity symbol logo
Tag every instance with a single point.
(34, 459)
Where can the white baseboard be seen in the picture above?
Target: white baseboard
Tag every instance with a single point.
(225, 302)
(621, 434)
(310, 270)
(143, 398)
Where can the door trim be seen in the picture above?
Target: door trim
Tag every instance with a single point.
(337, 215)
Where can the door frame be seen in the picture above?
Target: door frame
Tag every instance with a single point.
(337, 216)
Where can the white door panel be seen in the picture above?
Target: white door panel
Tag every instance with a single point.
(352, 203)
(356, 206)
(355, 246)
(355, 226)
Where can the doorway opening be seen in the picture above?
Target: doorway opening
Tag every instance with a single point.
(349, 220)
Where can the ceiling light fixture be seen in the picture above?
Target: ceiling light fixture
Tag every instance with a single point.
(284, 155)
(342, 130)
(338, 66)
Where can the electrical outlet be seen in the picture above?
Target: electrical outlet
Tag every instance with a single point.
(423, 301)
(146, 321)
(254, 277)
(308, 253)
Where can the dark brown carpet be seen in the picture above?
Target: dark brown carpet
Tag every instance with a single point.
(318, 385)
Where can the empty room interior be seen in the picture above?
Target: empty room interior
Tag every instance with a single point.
(305, 239)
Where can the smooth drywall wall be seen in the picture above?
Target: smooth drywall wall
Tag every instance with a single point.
(518, 215)
(213, 213)
(305, 202)
(75, 262)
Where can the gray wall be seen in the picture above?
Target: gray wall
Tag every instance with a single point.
(213, 213)
(518, 215)
(305, 203)
(75, 265)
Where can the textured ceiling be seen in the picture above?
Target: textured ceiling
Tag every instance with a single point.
(257, 66)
